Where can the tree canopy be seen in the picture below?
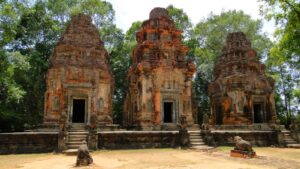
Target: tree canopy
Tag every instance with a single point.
(284, 56)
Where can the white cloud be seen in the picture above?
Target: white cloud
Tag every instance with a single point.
(129, 11)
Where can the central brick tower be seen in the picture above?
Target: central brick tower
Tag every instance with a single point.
(160, 78)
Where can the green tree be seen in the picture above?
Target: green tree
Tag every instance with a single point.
(284, 59)
(181, 20)
(12, 66)
(36, 36)
(120, 63)
(102, 14)
(9, 18)
(33, 29)
(183, 23)
(286, 14)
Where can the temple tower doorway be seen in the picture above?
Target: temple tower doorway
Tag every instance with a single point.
(168, 112)
(219, 116)
(79, 107)
(258, 113)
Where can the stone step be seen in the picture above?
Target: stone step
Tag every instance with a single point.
(291, 142)
(195, 134)
(202, 147)
(71, 151)
(79, 133)
(193, 131)
(197, 144)
(77, 127)
(78, 136)
(74, 143)
(293, 146)
(78, 139)
(195, 137)
(288, 139)
(73, 131)
(196, 140)
(73, 146)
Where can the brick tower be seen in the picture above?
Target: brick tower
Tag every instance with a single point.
(240, 92)
(160, 77)
(79, 80)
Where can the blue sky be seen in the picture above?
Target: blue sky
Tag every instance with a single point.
(129, 11)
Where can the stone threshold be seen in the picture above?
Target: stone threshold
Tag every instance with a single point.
(140, 132)
(242, 131)
(30, 133)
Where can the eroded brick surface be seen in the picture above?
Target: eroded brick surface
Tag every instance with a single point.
(160, 78)
(240, 92)
(79, 70)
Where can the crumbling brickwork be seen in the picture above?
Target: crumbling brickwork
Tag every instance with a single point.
(240, 93)
(160, 78)
(79, 80)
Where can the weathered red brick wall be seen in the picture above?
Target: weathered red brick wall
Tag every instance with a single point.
(28, 142)
(79, 69)
(159, 73)
(239, 83)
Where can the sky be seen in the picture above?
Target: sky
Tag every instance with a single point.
(129, 11)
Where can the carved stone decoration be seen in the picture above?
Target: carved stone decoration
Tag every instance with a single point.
(183, 133)
(78, 76)
(160, 78)
(242, 148)
(100, 104)
(240, 93)
(83, 156)
(55, 103)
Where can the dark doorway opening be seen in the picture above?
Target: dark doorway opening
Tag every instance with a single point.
(168, 112)
(78, 111)
(257, 108)
(219, 116)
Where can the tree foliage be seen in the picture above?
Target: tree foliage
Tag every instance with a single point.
(29, 31)
(181, 20)
(284, 57)
(286, 14)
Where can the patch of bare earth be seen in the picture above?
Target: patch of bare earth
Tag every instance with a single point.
(268, 158)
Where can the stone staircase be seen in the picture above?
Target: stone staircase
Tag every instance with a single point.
(289, 141)
(196, 141)
(76, 134)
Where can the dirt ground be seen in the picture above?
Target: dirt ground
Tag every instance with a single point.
(268, 158)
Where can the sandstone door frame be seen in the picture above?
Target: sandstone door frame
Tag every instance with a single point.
(259, 100)
(70, 109)
(79, 116)
(174, 111)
